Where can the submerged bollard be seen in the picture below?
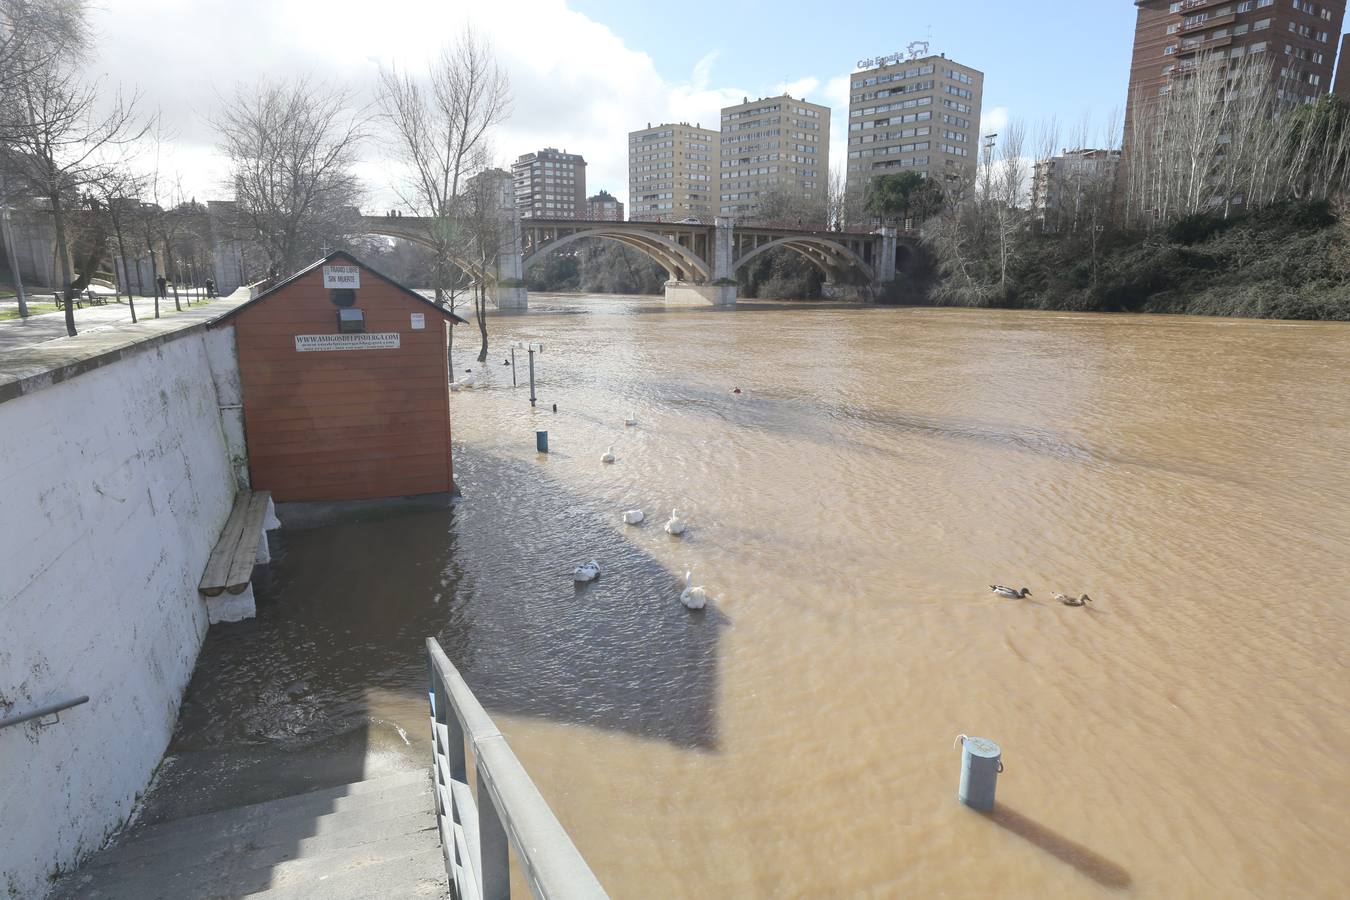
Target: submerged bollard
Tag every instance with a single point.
(541, 441)
(981, 761)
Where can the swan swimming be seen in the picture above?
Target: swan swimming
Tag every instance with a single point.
(608, 455)
(693, 597)
(633, 516)
(675, 525)
(631, 420)
(589, 572)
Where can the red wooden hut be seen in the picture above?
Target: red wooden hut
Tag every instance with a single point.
(344, 376)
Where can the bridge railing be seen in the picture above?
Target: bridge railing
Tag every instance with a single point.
(475, 830)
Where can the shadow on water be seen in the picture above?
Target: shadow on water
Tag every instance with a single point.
(620, 653)
(1087, 861)
(332, 674)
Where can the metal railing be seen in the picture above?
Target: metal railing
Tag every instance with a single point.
(508, 807)
(41, 711)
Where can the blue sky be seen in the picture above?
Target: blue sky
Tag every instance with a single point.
(1042, 58)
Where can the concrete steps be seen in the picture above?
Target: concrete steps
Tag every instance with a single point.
(373, 838)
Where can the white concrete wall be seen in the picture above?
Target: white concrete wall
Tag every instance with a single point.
(114, 485)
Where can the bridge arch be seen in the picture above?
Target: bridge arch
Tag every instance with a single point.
(830, 257)
(680, 263)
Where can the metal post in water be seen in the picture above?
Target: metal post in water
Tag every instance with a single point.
(531, 351)
(513, 367)
(541, 441)
(981, 761)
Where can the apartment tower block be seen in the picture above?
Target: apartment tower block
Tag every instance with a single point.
(672, 173)
(774, 147)
(550, 184)
(913, 115)
(1298, 38)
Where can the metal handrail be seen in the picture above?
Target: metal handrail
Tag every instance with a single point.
(508, 807)
(42, 711)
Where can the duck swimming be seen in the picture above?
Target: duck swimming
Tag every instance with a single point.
(1069, 600)
(1004, 591)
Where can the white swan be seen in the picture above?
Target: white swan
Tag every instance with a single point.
(693, 597)
(675, 525)
(589, 572)
(633, 516)
(608, 455)
(631, 420)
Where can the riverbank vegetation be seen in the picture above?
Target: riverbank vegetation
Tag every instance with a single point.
(1252, 229)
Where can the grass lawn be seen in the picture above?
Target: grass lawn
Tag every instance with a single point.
(12, 312)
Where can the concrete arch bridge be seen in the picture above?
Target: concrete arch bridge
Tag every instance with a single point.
(701, 261)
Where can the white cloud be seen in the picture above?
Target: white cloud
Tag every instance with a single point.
(994, 121)
(576, 85)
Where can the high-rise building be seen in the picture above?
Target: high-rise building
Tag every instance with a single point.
(774, 147)
(672, 173)
(913, 114)
(604, 207)
(1171, 37)
(1062, 185)
(550, 184)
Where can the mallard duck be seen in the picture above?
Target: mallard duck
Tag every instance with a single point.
(675, 525)
(633, 516)
(588, 572)
(608, 455)
(693, 597)
(1004, 591)
(1069, 600)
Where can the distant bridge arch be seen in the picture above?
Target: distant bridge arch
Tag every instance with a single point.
(831, 257)
(680, 262)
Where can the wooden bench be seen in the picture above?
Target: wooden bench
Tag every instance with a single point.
(242, 544)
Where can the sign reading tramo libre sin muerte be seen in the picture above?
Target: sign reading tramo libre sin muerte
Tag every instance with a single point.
(342, 276)
(376, 340)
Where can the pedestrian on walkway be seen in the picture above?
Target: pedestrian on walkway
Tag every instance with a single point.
(210, 288)
(162, 285)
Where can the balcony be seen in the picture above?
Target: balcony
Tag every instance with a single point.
(1211, 22)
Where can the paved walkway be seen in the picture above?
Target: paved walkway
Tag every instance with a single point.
(50, 326)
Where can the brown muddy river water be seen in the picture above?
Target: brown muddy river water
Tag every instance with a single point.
(1187, 735)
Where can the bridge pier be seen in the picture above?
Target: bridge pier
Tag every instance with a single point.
(691, 292)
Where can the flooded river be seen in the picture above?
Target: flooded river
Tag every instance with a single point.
(1186, 735)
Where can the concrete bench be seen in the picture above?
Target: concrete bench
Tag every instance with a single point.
(227, 582)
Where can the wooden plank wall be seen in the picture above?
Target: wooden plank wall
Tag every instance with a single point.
(344, 424)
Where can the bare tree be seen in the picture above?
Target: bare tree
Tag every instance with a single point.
(34, 33)
(291, 147)
(120, 190)
(443, 127)
(483, 219)
(60, 136)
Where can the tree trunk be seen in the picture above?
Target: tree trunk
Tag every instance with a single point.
(168, 267)
(480, 307)
(63, 254)
(7, 237)
(122, 252)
